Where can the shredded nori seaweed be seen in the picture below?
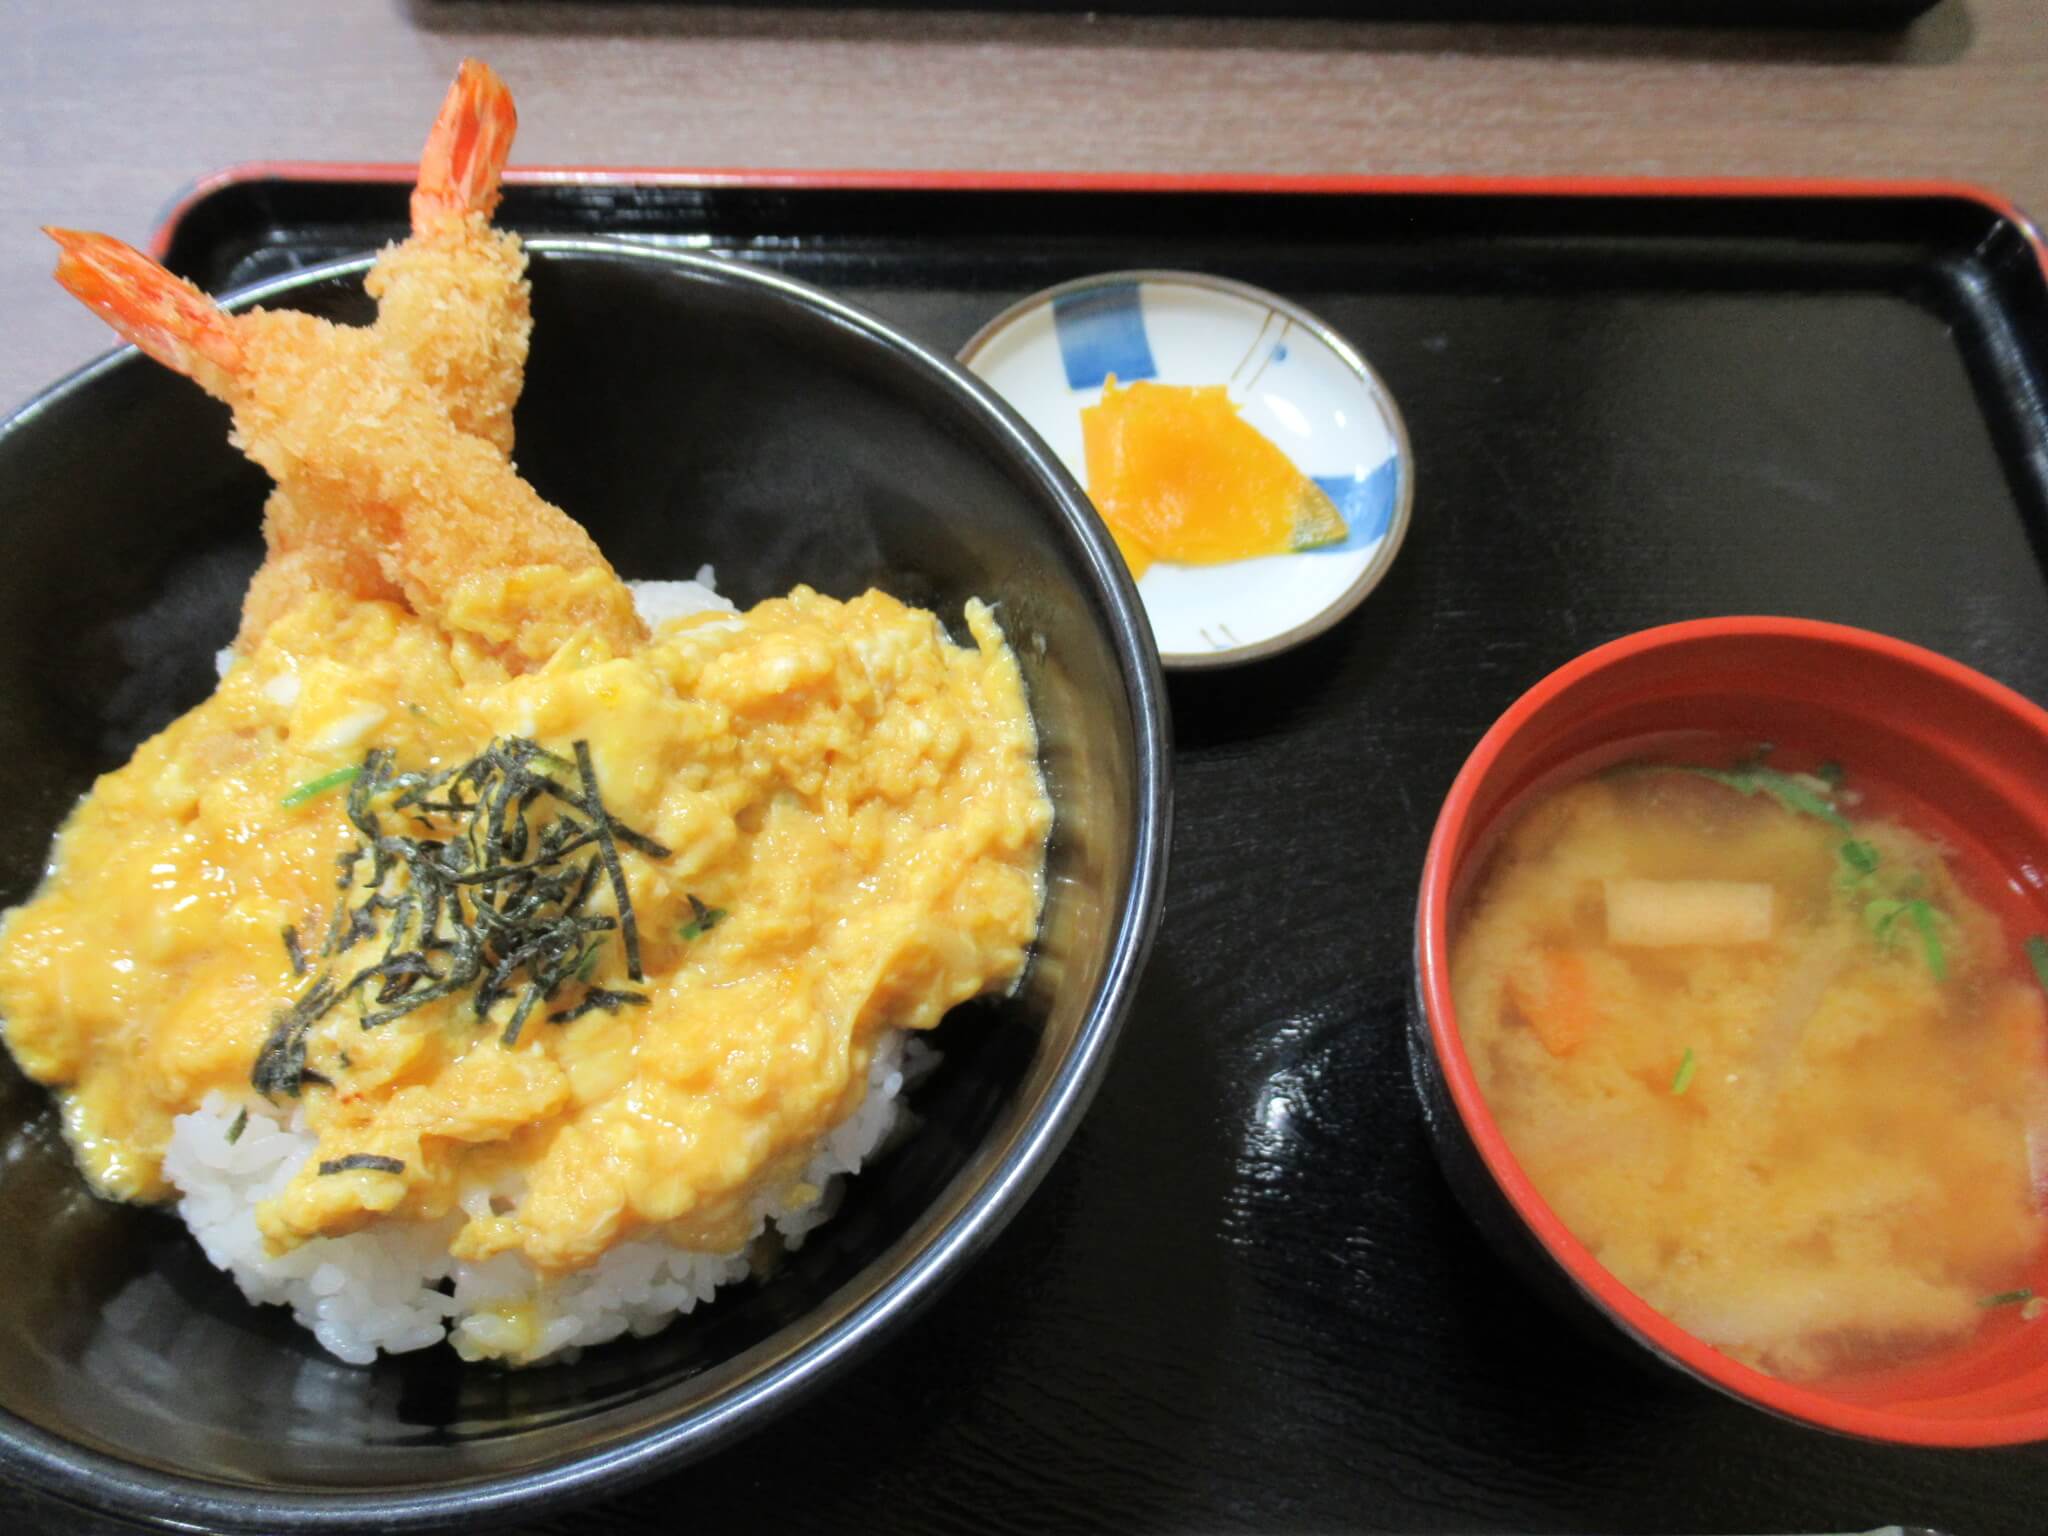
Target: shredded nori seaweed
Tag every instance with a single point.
(608, 851)
(599, 997)
(489, 904)
(281, 1064)
(371, 1162)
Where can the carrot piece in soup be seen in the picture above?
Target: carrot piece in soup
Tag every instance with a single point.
(1554, 995)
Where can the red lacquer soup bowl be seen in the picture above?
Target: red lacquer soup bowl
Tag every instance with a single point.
(1947, 736)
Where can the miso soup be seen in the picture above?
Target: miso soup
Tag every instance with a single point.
(1764, 1047)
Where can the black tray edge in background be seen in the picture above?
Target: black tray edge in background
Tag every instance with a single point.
(1987, 259)
(212, 213)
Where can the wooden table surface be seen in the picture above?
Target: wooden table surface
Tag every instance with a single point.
(108, 108)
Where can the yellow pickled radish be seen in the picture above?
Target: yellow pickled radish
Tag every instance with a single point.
(1179, 475)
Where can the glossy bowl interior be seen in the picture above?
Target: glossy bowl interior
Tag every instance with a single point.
(1951, 736)
(686, 410)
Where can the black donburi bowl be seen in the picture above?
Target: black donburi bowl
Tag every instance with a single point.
(686, 410)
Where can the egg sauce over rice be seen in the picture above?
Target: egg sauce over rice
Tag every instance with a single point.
(832, 831)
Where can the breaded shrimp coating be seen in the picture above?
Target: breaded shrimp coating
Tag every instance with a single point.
(370, 447)
(452, 300)
(453, 308)
(375, 464)
(452, 305)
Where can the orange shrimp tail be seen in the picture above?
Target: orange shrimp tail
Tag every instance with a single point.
(163, 315)
(466, 149)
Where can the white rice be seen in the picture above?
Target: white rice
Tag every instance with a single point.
(660, 601)
(393, 1285)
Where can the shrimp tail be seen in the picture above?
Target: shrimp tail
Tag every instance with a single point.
(162, 314)
(466, 149)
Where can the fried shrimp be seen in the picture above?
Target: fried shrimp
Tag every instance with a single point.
(374, 462)
(452, 301)
(453, 308)
(389, 443)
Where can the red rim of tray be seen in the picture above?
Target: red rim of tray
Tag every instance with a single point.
(1432, 937)
(1118, 181)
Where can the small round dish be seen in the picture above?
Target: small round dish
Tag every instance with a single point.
(1956, 737)
(1296, 380)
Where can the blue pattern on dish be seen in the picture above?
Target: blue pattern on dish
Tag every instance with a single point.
(1102, 331)
(1367, 502)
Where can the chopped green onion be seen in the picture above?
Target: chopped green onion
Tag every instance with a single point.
(703, 919)
(1860, 860)
(1930, 941)
(316, 787)
(2037, 955)
(1784, 788)
(2007, 1298)
(1682, 1078)
(1830, 773)
(1878, 916)
(241, 1124)
(1882, 918)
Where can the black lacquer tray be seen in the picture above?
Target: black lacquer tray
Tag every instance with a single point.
(1244, 1298)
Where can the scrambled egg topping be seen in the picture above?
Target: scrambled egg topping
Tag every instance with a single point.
(855, 793)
